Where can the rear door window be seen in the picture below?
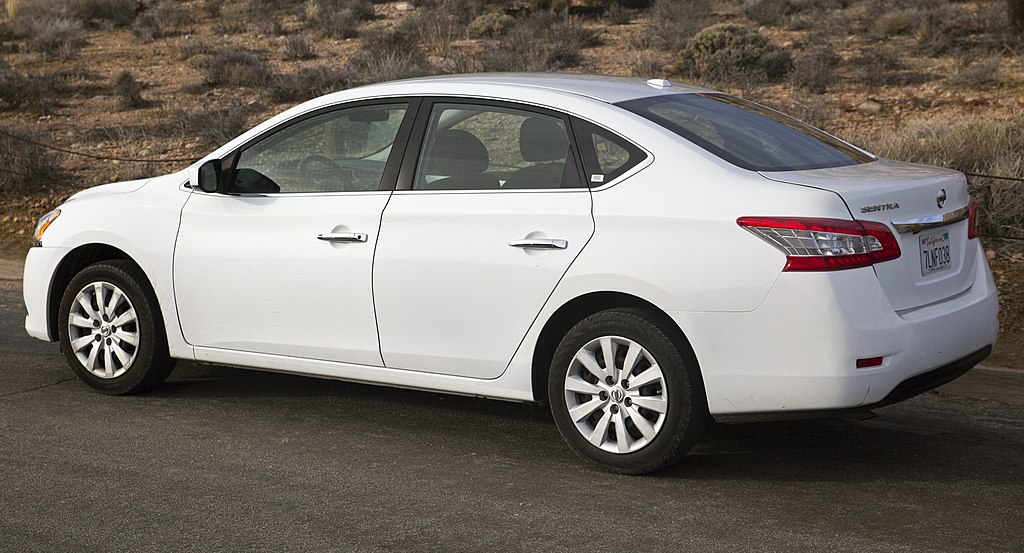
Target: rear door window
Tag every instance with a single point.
(489, 147)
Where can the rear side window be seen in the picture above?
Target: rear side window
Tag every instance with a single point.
(606, 155)
(745, 134)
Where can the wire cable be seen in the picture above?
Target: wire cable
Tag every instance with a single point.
(93, 156)
(1018, 179)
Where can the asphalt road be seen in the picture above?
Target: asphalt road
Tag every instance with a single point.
(223, 459)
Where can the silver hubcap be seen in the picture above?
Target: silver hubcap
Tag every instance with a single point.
(104, 330)
(615, 392)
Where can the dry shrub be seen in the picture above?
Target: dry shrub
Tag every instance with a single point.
(817, 111)
(970, 72)
(212, 8)
(879, 66)
(387, 65)
(336, 19)
(433, 30)
(729, 53)
(55, 36)
(646, 63)
(334, 24)
(161, 19)
(309, 83)
(296, 48)
(42, 92)
(27, 167)
(18, 90)
(947, 28)
(675, 22)
(815, 69)
(209, 126)
(896, 23)
(193, 48)
(617, 14)
(236, 67)
(117, 12)
(543, 41)
(489, 25)
(550, 5)
(129, 91)
(983, 146)
(768, 12)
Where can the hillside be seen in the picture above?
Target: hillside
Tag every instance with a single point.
(930, 81)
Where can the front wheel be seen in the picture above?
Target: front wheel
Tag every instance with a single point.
(623, 393)
(111, 332)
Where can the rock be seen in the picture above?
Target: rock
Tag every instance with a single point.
(870, 106)
(405, 7)
(990, 254)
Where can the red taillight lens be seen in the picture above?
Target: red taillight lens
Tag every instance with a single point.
(972, 220)
(812, 244)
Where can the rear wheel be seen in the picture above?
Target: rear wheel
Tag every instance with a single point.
(623, 394)
(110, 328)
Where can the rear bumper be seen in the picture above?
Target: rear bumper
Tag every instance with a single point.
(904, 390)
(796, 354)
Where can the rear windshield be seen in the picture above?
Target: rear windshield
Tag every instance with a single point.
(745, 134)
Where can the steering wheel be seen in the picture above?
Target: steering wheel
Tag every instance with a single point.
(325, 172)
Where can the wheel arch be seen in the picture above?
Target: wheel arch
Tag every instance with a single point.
(72, 263)
(580, 307)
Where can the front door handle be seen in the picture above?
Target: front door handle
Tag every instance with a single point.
(540, 243)
(343, 236)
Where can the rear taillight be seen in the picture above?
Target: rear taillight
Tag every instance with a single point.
(825, 244)
(972, 220)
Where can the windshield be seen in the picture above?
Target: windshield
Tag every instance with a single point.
(745, 134)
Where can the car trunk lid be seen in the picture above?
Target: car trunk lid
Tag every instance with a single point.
(925, 207)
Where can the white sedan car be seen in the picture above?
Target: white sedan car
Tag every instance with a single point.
(641, 256)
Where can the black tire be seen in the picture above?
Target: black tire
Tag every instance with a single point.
(681, 423)
(151, 362)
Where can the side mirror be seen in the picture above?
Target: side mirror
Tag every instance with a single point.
(209, 176)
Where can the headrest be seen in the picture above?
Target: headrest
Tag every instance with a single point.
(457, 153)
(542, 139)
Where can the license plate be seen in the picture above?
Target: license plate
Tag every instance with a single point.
(935, 254)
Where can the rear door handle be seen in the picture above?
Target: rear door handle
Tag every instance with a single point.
(540, 243)
(343, 236)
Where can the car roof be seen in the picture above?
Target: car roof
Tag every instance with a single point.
(599, 87)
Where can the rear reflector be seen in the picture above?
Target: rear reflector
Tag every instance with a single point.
(869, 362)
(972, 220)
(813, 244)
